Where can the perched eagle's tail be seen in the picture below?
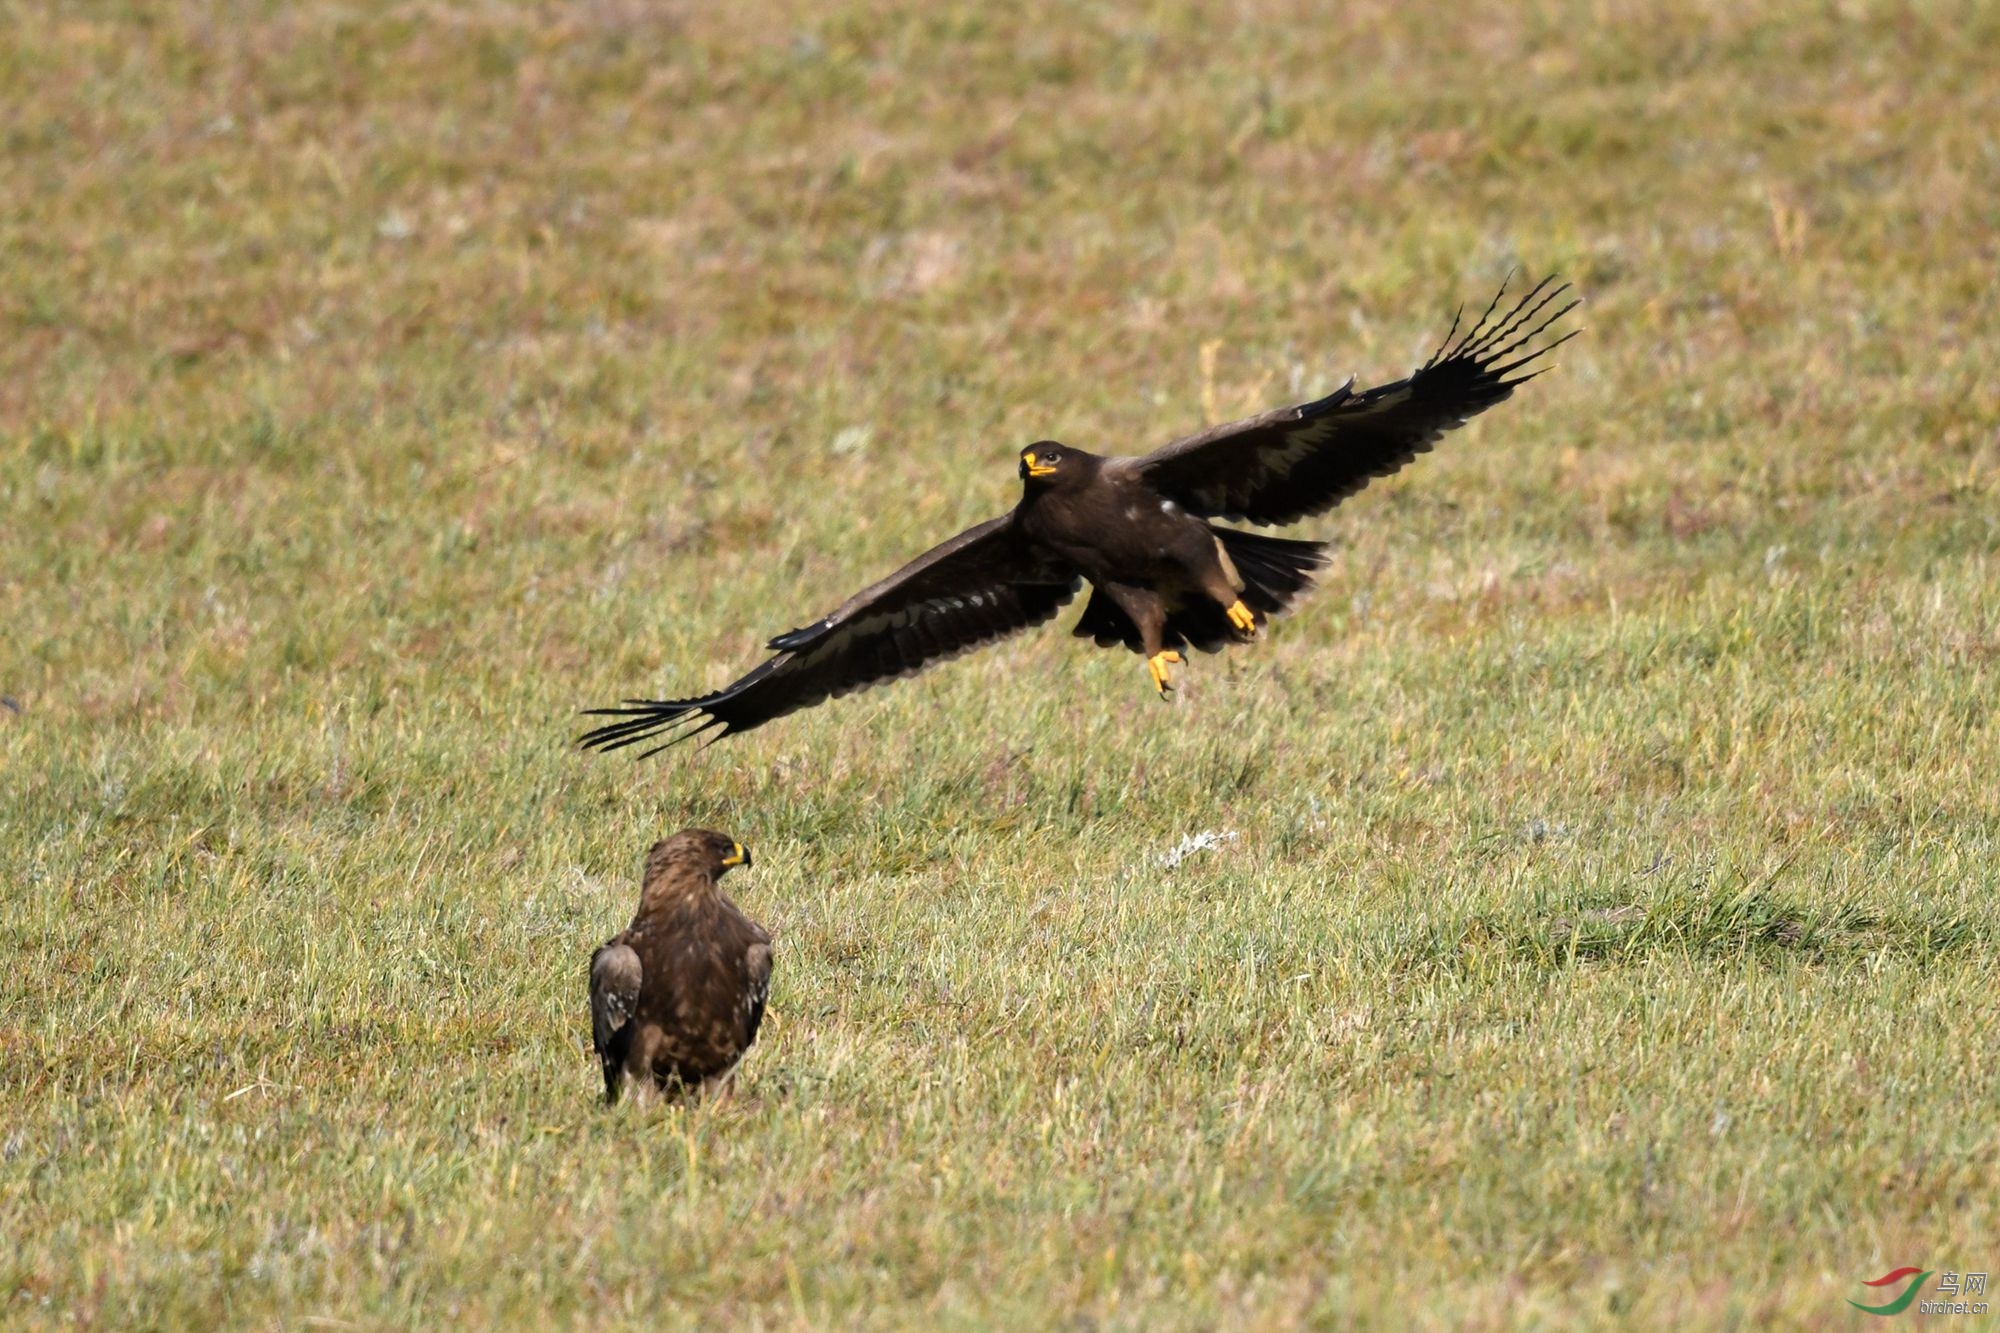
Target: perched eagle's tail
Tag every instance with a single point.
(1275, 572)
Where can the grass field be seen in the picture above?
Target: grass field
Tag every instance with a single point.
(1600, 924)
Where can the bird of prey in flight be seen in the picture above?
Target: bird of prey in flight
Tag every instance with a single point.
(1164, 577)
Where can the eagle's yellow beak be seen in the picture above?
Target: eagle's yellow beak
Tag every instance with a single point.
(1030, 468)
(740, 856)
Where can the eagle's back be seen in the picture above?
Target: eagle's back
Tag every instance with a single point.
(698, 1012)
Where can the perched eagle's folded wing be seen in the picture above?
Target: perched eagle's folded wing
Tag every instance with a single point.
(757, 962)
(615, 980)
(1297, 461)
(981, 585)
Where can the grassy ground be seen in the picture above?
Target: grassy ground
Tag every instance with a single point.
(1600, 926)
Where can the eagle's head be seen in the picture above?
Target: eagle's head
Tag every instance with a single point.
(699, 851)
(1046, 461)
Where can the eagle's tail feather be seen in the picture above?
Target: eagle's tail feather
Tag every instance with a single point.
(1275, 572)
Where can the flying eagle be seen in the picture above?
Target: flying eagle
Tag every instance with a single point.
(676, 997)
(1163, 576)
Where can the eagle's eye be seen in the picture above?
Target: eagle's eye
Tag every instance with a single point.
(1053, 456)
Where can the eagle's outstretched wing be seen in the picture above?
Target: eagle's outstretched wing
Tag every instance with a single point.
(983, 584)
(1297, 461)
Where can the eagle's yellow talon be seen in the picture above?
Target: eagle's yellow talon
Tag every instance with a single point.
(1156, 666)
(1242, 617)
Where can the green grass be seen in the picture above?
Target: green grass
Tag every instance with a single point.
(1608, 931)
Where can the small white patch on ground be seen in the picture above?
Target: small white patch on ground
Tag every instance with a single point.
(1195, 843)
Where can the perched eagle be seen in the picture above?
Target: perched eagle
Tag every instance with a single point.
(676, 998)
(1163, 577)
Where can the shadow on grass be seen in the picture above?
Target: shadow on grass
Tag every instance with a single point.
(1699, 920)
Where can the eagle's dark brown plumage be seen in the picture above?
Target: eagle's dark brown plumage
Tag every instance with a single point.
(1163, 576)
(676, 998)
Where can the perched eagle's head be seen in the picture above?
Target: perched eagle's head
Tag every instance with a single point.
(698, 850)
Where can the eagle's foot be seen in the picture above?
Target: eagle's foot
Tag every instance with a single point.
(1156, 666)
(1242, 617)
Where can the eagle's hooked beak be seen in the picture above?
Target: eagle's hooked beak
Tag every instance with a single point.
(740, 856)
(1030, 468)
